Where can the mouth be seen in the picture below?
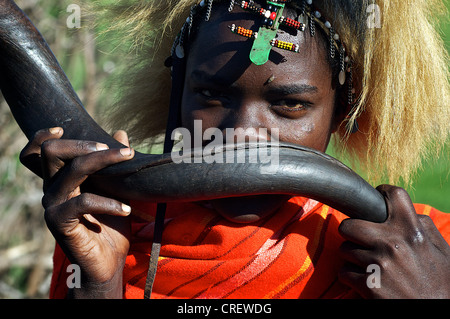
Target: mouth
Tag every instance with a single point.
(248, 209)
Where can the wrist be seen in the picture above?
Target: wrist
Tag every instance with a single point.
(112, 289)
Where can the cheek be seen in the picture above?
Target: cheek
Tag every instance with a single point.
(311, 131)
(209, 117)
(309, 128)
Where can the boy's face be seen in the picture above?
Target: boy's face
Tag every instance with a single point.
(292, 92)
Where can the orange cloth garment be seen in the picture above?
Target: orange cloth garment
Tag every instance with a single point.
(291, 254)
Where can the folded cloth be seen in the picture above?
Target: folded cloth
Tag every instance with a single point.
(291, 254)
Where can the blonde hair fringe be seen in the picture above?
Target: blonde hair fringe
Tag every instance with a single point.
(400, 74)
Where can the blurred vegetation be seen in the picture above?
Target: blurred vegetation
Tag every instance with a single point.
(91, 62)
(26, 246)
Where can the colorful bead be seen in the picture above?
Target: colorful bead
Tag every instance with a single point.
(250, 6)
(269, 14)
(284, 45)
(243, 32)
(271, 19)
(291, 23)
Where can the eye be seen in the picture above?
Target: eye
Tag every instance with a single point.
(291, 108)
(209, 97)
(209, 93)
(292, 105)
(206, 92)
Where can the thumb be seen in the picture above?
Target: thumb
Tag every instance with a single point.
(122, 137)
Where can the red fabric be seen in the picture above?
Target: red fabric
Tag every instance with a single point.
(292, 254)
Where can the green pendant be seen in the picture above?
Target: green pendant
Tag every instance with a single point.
(261, 46)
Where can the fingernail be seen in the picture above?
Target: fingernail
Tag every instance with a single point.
(126, 208)
(101, 147)
(55, 130)
(125, 151)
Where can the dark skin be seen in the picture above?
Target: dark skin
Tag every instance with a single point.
(224, 90)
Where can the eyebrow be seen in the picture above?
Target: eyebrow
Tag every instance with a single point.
(292, 89)
(283, 89)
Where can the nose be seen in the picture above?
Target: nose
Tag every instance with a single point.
(246, 123)
(248, 134)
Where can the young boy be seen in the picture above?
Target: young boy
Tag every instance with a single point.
(326, 70)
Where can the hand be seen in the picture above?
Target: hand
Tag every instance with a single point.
(93, 231)
(413, 257)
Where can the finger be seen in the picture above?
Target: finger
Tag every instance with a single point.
(360, 232)
(78, 171)
(433, 233)
(403, 218)
(356, 254)
(62, 219)
(34, 145)
(353, 276)
(399, 204)
(56, 152)
(122, 137)
(30, 156)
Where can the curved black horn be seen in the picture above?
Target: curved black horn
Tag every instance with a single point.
(40, 96)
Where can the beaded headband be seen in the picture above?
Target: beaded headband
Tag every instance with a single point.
(265, 38)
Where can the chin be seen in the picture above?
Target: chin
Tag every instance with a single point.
(248, 209)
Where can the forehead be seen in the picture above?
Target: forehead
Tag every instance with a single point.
(216, 50)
